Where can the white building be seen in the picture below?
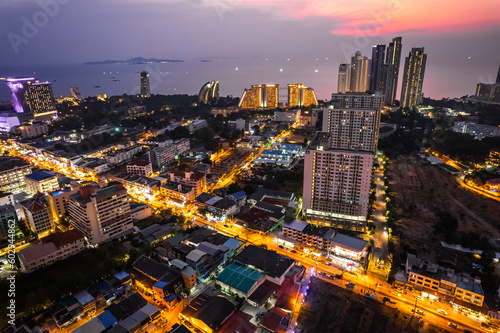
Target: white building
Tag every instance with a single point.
(100, 214)
(12, 172)
(140, 167)
(352, 100)
(33, 130)
(478, 131)
(52, 248)
(41, 181)
(122, 155)
(197, 125)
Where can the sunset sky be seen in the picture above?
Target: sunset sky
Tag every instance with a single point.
(461, 38)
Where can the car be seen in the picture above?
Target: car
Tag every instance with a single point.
(399, 290)
(455, 326)
(331, 277)
(281, 246)
(420, 298)
(322, 273)
(378, 284)
(487, 329)
(396, 294)
(293, 251)
(386, 299)
(338, 276)
(350, 285)
(441, 311)
(418, 311)
(370, 296)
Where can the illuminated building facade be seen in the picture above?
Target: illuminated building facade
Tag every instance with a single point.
(145, 88)
(37, 214)
(336, 184)
(377, 77)
(489, 92)
(372, 101)
(260, 96)
(344, 78)
(360, 73)
(100, 214)
(209, 93)
(354, 129)
(32, 96)
(413, 78)
(393, 60)
(12, 172)
(299, 95)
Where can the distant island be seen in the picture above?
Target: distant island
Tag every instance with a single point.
(132, 61)
(205, 60)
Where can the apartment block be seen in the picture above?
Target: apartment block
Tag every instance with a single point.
(52, 248)
(100, 214)
(140, 167)
(37, 214)
(12, 172)
(41, 181)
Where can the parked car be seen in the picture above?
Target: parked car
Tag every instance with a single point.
(455, 326)
(441, 311)
(418, 311)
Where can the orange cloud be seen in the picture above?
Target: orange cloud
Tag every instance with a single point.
(375, 17)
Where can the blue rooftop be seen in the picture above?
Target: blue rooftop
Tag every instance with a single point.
(160, 284)
(122, 275)
(40, 175)
(232, 243)
(239, 195)
(107, 319)
(103, 285)
(170, 298)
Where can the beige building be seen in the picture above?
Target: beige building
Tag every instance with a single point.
(443, 283)
(353, 129)
(41, 181)
(33, 130)
(38, 214)
(52, 248)
(360, 73)
(12, 172)
(260, 96)
(336, 184)
(299, 95)
(140, 167)
(100, 214)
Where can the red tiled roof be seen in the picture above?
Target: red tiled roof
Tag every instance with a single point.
(36, 206)
(272, 319)
(239, 322)
(62, 238)
(253, 216)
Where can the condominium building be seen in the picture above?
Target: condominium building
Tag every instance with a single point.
(41, 181)
(336, 184)
(478, 131)
(145, 87)
(360, 73)
(377, 74)
(122, 155)
(52, 248)
(100, 214)
(413, 78)
(299, 95)
(37, 214)
(443, 283)
(162, 157)
(224, 111)
(260, 96)
(344, 78)
(393, 61)
(140, 167)
(355, 129)
(12, 172)
(33, 130)
(371, 101)
(58, 202)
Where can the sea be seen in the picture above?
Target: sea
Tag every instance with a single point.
(233, 74)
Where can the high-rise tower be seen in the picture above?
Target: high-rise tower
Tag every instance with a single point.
(393, 60)
(413, 78)
(344, 78)
(377, 77)
(145, 88)
(32, 96)
(360, 73)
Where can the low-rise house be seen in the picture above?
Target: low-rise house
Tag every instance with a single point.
(52, 248)
(208, 313)
(179, 193)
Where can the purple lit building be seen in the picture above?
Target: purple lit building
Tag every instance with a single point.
(32, 96)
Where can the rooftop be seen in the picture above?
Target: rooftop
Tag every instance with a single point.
(211, 310)
(348, 241)
(61, 239)
(240, 277)
(297, 225)
(270, 262)
(40, 175)
(139, 163)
